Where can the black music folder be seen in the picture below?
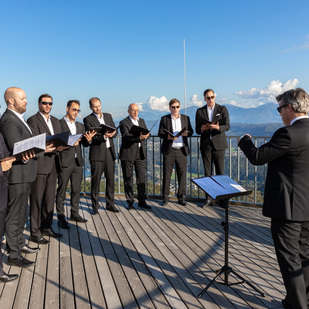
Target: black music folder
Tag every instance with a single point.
(137, 130)
(176, 135)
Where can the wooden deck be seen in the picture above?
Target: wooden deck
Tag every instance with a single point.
(160, 258)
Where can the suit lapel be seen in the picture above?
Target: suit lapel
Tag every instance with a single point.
(42, 121)
(18, 119)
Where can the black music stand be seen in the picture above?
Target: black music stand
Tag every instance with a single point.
(223, 187)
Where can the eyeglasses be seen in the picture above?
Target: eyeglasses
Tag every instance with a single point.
(47, 103)
(212, 97)
(76, 110)
(280, 108)
(177, 106)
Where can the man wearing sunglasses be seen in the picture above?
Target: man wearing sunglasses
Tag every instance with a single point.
(43, 189)
(211, 122)
(286, 192)
(71, 163)
(175, 150)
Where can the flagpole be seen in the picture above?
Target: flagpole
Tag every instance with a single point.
(184, 74)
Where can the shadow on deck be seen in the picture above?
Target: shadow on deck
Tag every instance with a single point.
(161, 258)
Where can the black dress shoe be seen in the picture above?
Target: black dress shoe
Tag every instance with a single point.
(39, 240)
(27, 249)
(112, 208)
(208, 203)
(182, 203)
(95, 211)
(130, 206)
(49, 232)
(285, 305)
(164, 202)
(78, 218)
(20, 262)
(63, 224)
(7, 277)
(143, 205)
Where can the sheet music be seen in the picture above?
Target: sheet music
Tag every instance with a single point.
(211, 187)
(230, 185)
(73, 139)
(38, 141)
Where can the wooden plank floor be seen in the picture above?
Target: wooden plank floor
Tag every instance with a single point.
(161, 258)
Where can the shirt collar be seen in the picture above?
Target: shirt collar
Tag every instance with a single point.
(176, 118)
(137, 119)
(297, 118)
(21, 116)
(68, 120)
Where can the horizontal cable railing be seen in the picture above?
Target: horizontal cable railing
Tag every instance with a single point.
(236, 166)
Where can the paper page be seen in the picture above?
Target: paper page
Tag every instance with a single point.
(73, 139)
(210, 187)
(230, 185)
(38, 141)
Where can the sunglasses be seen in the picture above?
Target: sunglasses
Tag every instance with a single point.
(212, 97)
(280, 108)
(76, 110)
(175, 106)
(47, 103)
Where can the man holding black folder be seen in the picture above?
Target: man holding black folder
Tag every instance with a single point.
(43, 189)
(133, 153)
(102, 155)
(211, 122)
(71, 163)
(175, 149)
(22, 173)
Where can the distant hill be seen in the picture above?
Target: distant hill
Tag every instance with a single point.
(266, 113)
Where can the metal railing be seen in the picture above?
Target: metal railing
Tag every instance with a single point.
(236, 166)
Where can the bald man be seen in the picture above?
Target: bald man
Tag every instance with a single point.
(14, 129)
(133, 154)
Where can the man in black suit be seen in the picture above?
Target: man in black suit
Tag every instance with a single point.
(43, 189)
(71, 163)
(286, 192)
(133, 153)
(5, 166)
(175, 150)
(102, 156)
(213, 138)
(14, 129)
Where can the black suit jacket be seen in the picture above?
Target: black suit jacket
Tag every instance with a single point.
(287, 181)
(4, 152)
(14, 130)
(218, 136)
(129, 150)
(166, 123)
(67, 156)
(39, 126)
(98, 144)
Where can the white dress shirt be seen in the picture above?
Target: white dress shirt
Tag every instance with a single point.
(135, 122)
(176, 124)
(101, 120)
(49, 123)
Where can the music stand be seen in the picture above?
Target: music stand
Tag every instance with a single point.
(223, 187)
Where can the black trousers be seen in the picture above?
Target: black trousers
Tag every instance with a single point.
(209, 155)
(42, 198)
(16, 217)
(140, 172)
(179, 159)
(97, 169)
(3, 210)
(73, 173)
(291, 241)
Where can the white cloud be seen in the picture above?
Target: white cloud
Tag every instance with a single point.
(299, 47)
(195, 101)
(233, 102)
(158, 104)
(269, 92)
(140, 106)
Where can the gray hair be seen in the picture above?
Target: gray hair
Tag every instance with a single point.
(298, 98)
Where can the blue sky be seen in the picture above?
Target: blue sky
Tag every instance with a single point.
(132, 51)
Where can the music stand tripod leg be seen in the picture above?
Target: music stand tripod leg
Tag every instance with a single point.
(211, 282)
